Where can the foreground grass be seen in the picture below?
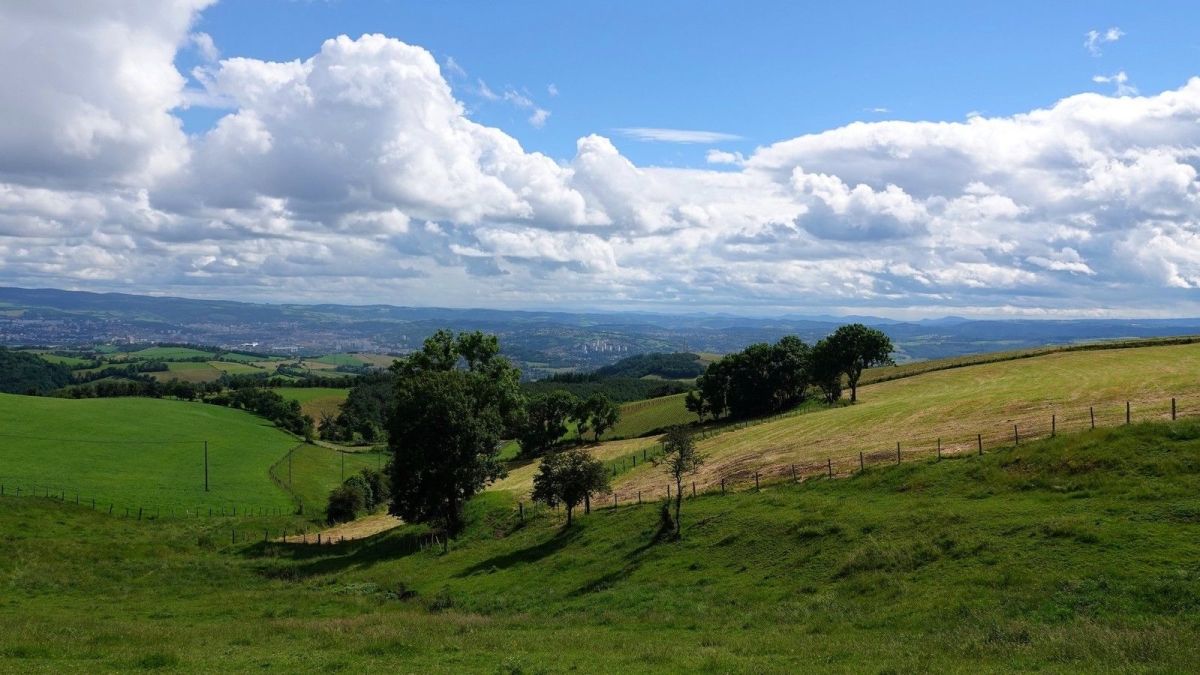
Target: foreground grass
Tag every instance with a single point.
(1073, 554)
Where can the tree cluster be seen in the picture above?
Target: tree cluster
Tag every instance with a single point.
(759, 380)
(363, 415)
(543, 426)
(568, 478)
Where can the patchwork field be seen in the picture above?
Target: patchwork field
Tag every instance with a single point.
(140, 452)
(237, 368)
(188, 371)
(315, 400)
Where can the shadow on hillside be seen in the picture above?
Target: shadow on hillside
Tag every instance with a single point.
(313, 560)
(525, 555)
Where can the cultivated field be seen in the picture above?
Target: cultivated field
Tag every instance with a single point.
(140, 452)
(642, 417)
(315, 400)
(956, 405)
(311, 472)
(189, 371)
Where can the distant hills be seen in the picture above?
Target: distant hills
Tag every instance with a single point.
(542, 342)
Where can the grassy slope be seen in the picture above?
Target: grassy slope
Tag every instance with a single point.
(315, 471)
(236, 368)
(169, 353)
(641, 417)
(957, 404)
(188, 371)
(106, 453)
(1076, 554)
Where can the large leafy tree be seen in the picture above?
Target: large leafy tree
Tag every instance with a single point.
(453, 401)
(567, 478)
(851, 349)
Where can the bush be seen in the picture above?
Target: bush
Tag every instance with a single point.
(346, 502)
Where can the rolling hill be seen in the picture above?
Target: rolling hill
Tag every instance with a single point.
(1071, 555)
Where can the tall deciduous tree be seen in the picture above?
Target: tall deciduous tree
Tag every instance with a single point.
(680, 458)
(453, 400)
(853, 348)
(567, 478)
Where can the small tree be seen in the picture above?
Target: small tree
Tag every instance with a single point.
(680, 458)
(853, 348)
(346, 501)
(567, 478)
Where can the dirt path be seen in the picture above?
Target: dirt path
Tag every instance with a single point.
(358, 529)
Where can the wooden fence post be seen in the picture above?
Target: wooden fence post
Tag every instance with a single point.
(755, 480)
(521, 511)
(829, 460)
(668, 491)
(1016, 436)
(939, 450)
(1053, 425)
(862, 466)
(897, 452)
(639, 496)
(979, 439)
(793, 473)
(693, 488)
(1092, 414)
(722, 486)
(1126, 412)
(1172, 408)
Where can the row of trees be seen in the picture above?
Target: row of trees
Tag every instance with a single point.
(545, 417)
(764, 379)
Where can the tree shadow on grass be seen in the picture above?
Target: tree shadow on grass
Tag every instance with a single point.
(299, 561)
(525, 555)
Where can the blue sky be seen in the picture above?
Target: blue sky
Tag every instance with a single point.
(905, 160)
(765, 71)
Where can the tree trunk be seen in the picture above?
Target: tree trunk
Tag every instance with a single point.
(678, 502)
(570, 510)
(587, 503)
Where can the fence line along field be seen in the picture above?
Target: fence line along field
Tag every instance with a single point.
(311, 472)
(141, 452)
(986, 399)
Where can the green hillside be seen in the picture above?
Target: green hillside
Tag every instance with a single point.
(141, 452)
(314, 471)
(1072, 555)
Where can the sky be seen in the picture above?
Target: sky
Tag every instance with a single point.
(979, 159)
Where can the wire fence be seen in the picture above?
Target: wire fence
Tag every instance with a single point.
(1023, 427)
(133, 509)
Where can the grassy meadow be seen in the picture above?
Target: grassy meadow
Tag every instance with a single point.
(141, 452)
(311, 472)
(1069, 555)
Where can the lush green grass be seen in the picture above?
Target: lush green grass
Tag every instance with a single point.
(168, 353)
(314, 471)
(955, 405)
(240, 358)
(140, 452)
(1066, 556)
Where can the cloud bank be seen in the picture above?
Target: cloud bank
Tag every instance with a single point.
(356, 175)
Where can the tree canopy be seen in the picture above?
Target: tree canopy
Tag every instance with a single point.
(848, 351)
(567, 478)
(760, 380)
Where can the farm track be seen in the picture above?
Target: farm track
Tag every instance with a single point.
(362, 528)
